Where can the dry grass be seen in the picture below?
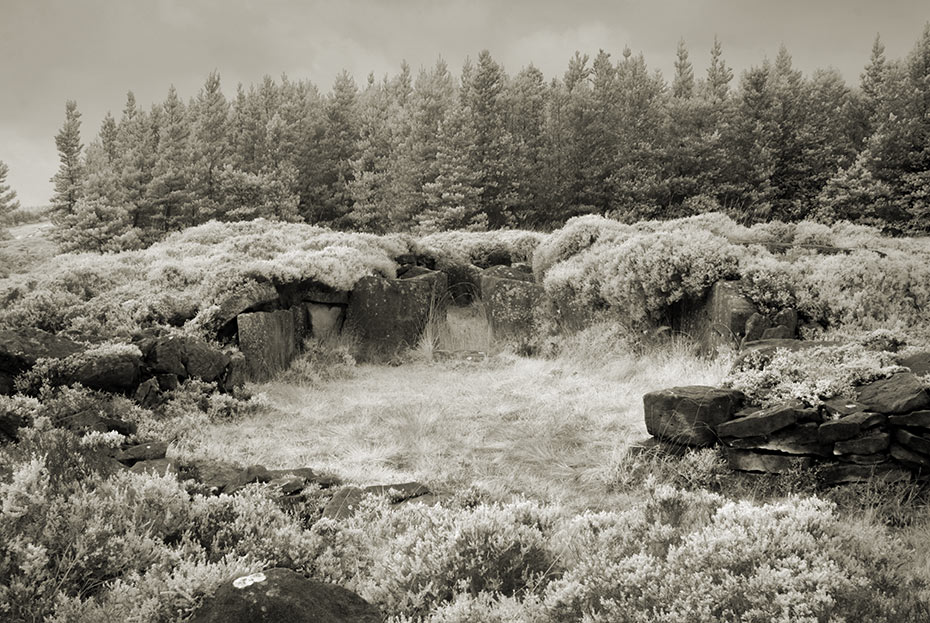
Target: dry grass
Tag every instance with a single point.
(552, 429)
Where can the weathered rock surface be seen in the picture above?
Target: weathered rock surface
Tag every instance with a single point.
(756, 325)
(919, 363)
(326, 297)
(917, 419)
(245, 298)
(908, 457)
(778, 332)
(237, 372)
(849, 426)
(900, 393)
(512, 306)
(689, 415)
(516, 273)
(21, 348)
(565, 312)
(268, 342)
(839, 473)
(148, 451)
(117, 371)
(284, 596)
(801, 439)
(749, 461)
(838, 407)
(760, 423)
(87, 421)
(865, 444)
(916, 443)
(787, 318)
(325, 320)
(345, 501)
(389, 315)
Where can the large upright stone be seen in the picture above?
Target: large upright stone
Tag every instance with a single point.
(284, 596)
(246, 297)
(268, 341)
(689, 415)
(719, 320)
(900, 393)
(512, 306)
(389, 315)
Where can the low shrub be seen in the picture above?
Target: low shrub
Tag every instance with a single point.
(483, 249)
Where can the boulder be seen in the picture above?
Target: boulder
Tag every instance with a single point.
(801, 439)
(689, 415)
(762, 422)
(915, 419)
(750, 461)
(512, 306)
(839, 473)
(116, 371)
(186, 357)
(787, 318)
(778, 332)
(237, 372)
(268, 342)
(871, 443)
(900, 393)
(389, 315)
(325, 320)
(21, 348)
(756, 325)
(88, 421)
(283, 596)
(919, 363)
(155, 467)
(915, 443)
(246, 297)
(148, 394)
(717, 320)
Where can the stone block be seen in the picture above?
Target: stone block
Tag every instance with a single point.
(689, 415)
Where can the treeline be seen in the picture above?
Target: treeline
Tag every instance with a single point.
(430, 151)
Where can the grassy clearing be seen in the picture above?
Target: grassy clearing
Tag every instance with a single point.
(551, 429)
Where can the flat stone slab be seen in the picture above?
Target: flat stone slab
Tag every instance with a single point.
(916, 419)
(909, 457)
(838, 407)
(801, 440)
(900, 393)
(689, 415)
(866, 444)
(749, 461)
(143, 452)
(916, 443)
(761, 422)
(849, 426)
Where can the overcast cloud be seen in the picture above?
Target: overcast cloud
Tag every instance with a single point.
(94, 51)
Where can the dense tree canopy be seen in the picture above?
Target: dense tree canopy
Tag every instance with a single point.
(487, 150)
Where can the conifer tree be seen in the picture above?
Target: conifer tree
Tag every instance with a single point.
(169, 190)
(8, 201)
(718, 74)
(70, 176)
(683, 83)
(210, 148)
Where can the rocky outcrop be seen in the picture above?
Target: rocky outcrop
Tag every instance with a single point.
(247, 297)
(283, 595)
(21, 348)
(345, 501)
(690, 415)
(389, 315)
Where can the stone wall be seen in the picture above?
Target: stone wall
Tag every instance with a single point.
(884, 430)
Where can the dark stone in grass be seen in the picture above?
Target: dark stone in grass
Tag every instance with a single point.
(689, 415)
(756, 326)
(284, 596)
(343, 504)
(148, 394)
(760, 423)
(901, 393)
(155, 467)
(801, 439)
(916, 443)
(21, 348)
(143, 452)
(866, 444)
(917, 419)
(839, 473)
(749, 461)
(345, 501)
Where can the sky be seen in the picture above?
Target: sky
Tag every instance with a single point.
(94, 51)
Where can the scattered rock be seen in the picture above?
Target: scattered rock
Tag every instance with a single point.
(867, 444)
(87, 421)
(749, 461)
(839, 473)
(21, 348)
(689, 415)
(148, 394)
(143, 452)
(343, 503)
(284, 596)
(168, 382)
(237, 372)
(900, 393)
(346, 500)
(268, 342)
(117, 371)
(761, 422)
(778, 332)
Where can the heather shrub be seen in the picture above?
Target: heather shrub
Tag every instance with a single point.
(578, 234)
(812, 375)
(483, 249)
